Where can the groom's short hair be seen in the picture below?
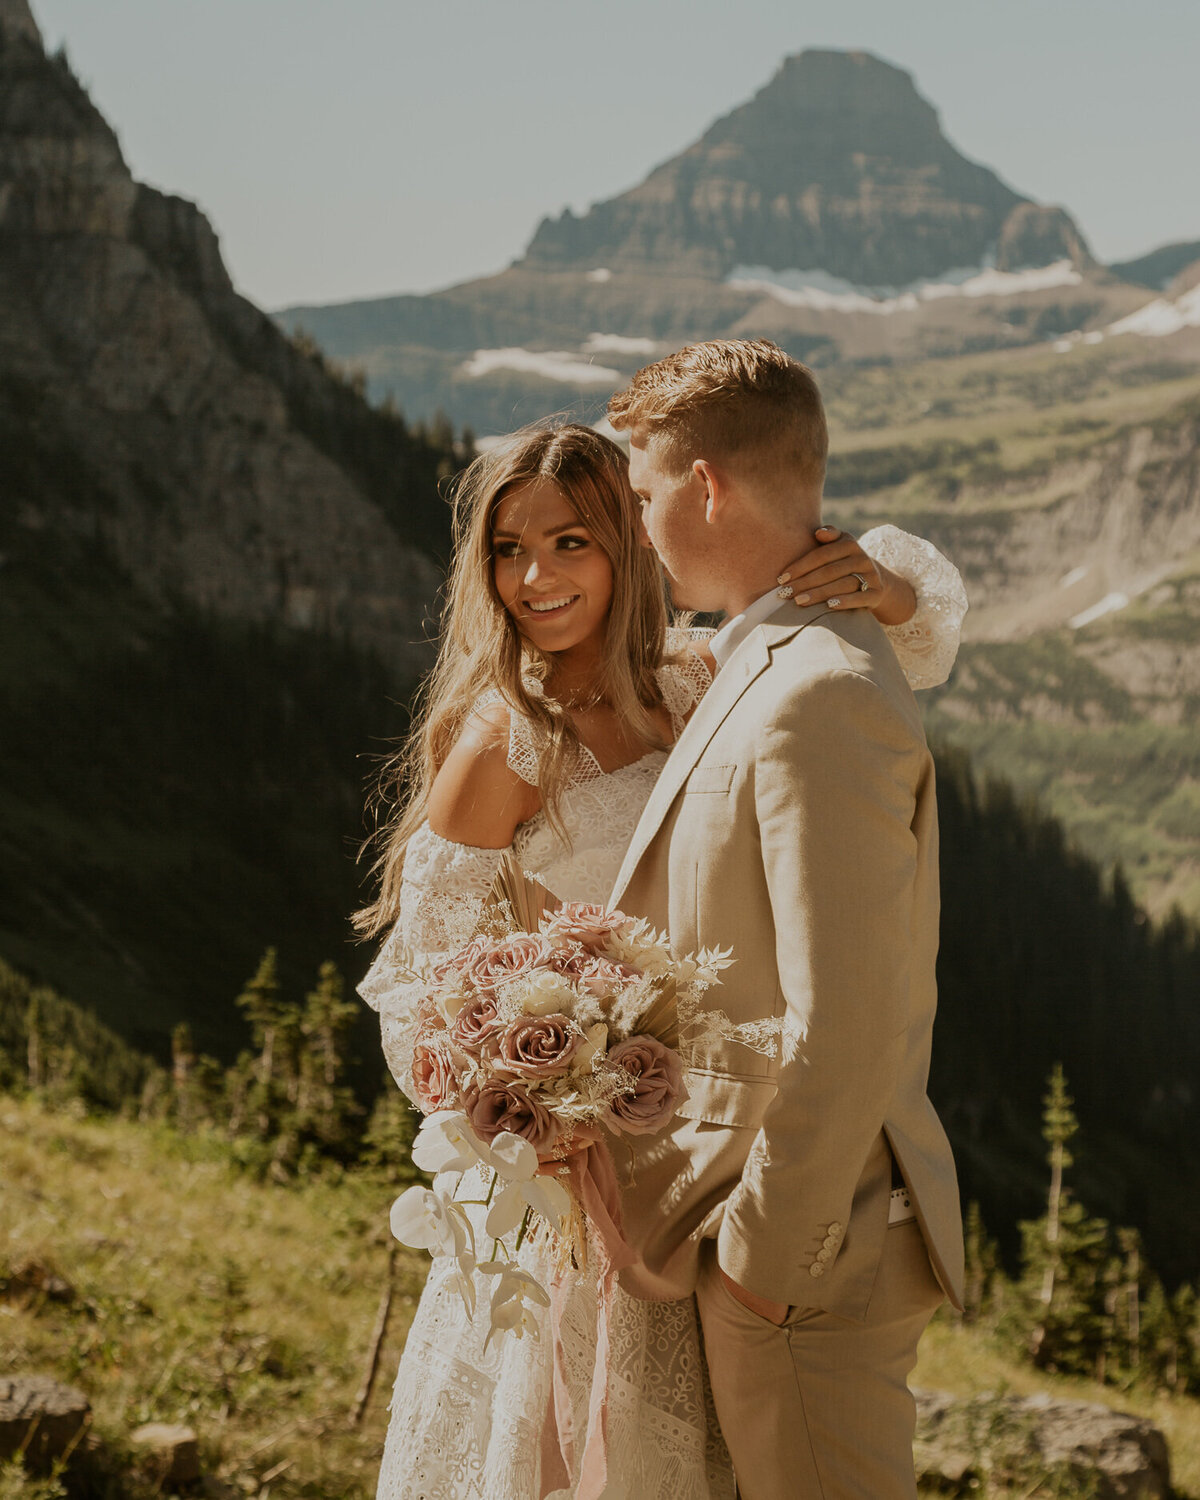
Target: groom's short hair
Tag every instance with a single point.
(736, 400)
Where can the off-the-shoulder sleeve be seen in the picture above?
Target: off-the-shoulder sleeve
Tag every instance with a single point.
(443, 889)
(927, 644)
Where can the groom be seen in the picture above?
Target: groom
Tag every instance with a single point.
(808, 1198)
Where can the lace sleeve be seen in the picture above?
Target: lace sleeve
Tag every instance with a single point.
(443, 889)
(927, 644)
(683, 679)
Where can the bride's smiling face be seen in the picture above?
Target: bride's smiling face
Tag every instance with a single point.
(553, 577)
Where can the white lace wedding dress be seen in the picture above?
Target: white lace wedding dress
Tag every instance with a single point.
(468, 1422)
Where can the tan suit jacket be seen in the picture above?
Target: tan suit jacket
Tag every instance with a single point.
(795, 822)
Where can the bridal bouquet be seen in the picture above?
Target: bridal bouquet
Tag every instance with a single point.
(548, 1034)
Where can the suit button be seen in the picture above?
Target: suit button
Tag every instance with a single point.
(816, 1269)
(836, 1229)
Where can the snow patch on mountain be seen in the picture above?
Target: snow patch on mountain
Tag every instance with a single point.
(557, 364)
(618, 343)
(1162, 316)
(824, 292)
(1106, 606)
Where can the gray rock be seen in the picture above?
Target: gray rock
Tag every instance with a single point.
(173, 1450)
(41, 1418)
(1109, 1455)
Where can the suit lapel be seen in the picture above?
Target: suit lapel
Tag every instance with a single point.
(748, 662)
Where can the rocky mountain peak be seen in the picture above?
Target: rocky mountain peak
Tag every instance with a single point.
(832, 105)
(16, 19)
(837, 164)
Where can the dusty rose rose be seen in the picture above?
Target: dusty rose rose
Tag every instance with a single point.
(433, 1079)
(585, 922)
(499, 1105)
(658, 1077)
(476, 1023)
(603, 978)
(462, 962)
(507, 959)
(537, 1046)
(570, 960)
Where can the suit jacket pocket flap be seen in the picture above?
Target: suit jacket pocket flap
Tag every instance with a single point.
(709, 779)
(723, 1099)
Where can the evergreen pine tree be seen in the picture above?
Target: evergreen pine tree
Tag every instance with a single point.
(183, 1063)
(981, 1264)
(1065, 1258)
(33, 1040)
(1185, 1309)
(388, 1138)
(259, 1002)
(325, 1108)
(1161, 1336)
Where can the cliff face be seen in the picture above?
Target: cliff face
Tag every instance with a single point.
(212, 459)
(838, 164)
(216, 565)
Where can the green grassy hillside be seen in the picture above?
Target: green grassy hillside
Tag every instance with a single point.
(246, 1310)
(200, 1297)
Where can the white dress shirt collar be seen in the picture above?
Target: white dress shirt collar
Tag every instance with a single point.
(734, 631)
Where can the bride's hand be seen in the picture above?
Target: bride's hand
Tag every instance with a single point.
(838, 572)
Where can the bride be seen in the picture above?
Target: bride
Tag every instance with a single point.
(558, 690)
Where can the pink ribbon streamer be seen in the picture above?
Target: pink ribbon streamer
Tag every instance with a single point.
(594, 1182)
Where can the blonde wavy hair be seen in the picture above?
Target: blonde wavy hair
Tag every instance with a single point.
(482, 650)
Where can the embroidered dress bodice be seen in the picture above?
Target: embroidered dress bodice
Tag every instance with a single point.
(467, 1421)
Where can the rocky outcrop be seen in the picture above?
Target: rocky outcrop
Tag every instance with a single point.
(837, 164)
(1023, 1441)
(1035, 235)
(40, 1418)
(170, 1451)
(147, 408)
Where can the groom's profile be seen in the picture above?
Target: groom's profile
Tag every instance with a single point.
(809, 1199)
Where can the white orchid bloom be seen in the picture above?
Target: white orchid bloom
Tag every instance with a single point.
(417, 1219)
(542, 1194)
(425, 1219)
(446, 1143)
(515, 1161)
(510, 1156)
(508, 1311)
(463, 1282)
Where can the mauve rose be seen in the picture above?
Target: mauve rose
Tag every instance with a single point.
(475, 1023)
(537, 1046)
(463, 960)
(585, 922)
(507, 959)
(433, 1079)
(658, 1079)
(499, 1106)
(603, 978)
(570, 960)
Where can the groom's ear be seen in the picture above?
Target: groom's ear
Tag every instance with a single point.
(716, 489)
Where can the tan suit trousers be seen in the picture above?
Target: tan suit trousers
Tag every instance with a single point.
(819, 1408)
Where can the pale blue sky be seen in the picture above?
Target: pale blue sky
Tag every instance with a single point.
(352, 148)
